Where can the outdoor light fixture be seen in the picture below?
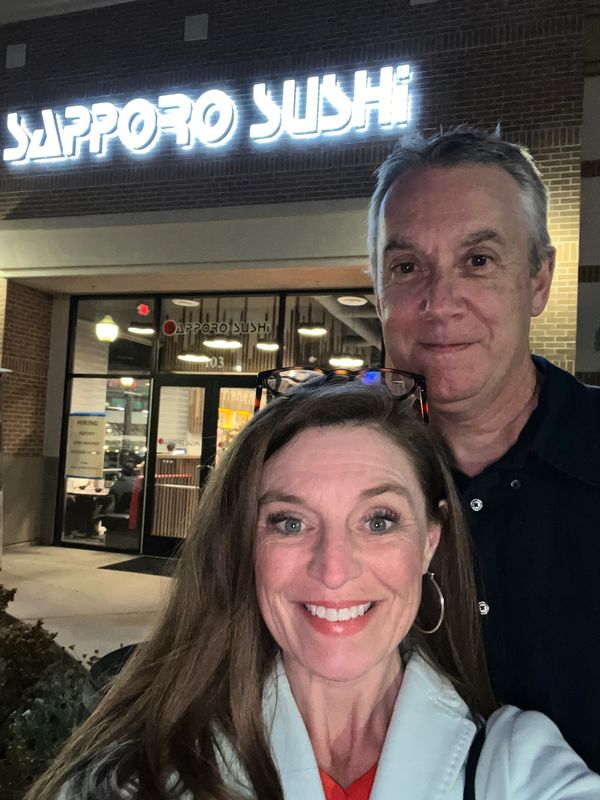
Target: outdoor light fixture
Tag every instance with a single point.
(352, 300)
(107, 329)
(141, 328)
(269, 346)
(312, 330)
(194, 358)
(222, 344)
(127, 383)
(346, 362)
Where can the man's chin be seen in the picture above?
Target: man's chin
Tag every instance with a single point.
(451, 391)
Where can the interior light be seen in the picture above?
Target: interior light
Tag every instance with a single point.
(107, 329)
(312, 330)
(222, 344)
(141, 328)
(352, 300)
(347, 362)
(195, 358)
(269, 346)
(127, 382)
(185, 302)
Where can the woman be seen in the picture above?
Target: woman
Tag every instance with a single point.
(305, 647)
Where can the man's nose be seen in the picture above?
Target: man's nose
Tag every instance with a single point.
(442, 297)
(335, 560)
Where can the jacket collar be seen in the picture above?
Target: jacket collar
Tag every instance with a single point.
(425, 748)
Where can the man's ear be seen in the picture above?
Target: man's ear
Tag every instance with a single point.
(541, 283)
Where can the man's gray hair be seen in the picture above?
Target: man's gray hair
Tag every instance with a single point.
(466, 145)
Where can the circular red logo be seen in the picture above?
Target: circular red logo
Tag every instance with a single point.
(169, 327)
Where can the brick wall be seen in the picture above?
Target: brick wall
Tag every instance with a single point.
(25, 351)
(481, 62)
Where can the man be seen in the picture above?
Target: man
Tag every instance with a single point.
(461, 261)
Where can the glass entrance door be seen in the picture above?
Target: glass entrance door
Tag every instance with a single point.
(197, 417)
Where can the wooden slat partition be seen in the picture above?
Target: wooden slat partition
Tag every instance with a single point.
(176, 494)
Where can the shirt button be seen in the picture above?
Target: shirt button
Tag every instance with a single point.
(515, 483)
(483, 608)
(476, 504)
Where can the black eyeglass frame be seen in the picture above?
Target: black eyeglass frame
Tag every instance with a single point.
(419, 390)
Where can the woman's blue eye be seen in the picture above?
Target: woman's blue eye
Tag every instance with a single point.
(285, 523)
(382, 521)
(378, 524)
(291, 525)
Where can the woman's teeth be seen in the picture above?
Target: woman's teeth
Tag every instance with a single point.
(337, 614)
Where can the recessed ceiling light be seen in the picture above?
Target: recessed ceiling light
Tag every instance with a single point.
(141, 329)
(347, 362)
(312, 330)
(195, 358)
(270, 346)
(222, 344)
(352, 300)
(185, 302)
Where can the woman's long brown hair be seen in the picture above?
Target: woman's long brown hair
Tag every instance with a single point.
(197, 683)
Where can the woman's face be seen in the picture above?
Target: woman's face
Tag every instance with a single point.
(341, 546)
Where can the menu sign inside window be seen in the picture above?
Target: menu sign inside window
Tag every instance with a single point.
(313, 108)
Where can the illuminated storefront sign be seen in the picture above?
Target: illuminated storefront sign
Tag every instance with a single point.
(172, 328)
(317, 106)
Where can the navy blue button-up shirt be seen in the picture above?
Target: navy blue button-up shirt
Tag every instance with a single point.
(534, 517)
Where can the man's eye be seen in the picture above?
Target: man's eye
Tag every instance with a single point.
(479, 260)
(404, 267)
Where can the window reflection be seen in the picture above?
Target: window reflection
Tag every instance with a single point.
(332, 331)
(219, 334)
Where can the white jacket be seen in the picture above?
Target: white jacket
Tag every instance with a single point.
(426, 747)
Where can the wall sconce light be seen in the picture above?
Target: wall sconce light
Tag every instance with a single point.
(107, 329)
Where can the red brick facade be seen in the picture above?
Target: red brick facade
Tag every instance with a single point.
(25, 348)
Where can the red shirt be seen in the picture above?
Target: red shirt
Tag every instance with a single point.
(359, 790)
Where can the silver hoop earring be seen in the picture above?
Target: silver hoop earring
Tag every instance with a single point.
(431, 575)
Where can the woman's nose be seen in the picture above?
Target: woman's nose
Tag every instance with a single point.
(335, 561)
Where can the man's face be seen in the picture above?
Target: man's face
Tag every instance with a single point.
(454, 288)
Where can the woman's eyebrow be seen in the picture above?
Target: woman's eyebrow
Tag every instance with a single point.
(279, 497)
(384, 488)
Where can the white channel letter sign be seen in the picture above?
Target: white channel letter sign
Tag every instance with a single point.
(318, 106)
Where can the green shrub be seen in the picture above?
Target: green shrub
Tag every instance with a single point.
(6, 595)
(41, 688)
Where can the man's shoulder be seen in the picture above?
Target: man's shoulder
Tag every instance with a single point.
(566, 400)
(568, 430)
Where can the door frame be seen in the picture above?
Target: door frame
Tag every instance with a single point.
(212, 384)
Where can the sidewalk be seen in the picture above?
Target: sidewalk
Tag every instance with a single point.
(91, 608)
